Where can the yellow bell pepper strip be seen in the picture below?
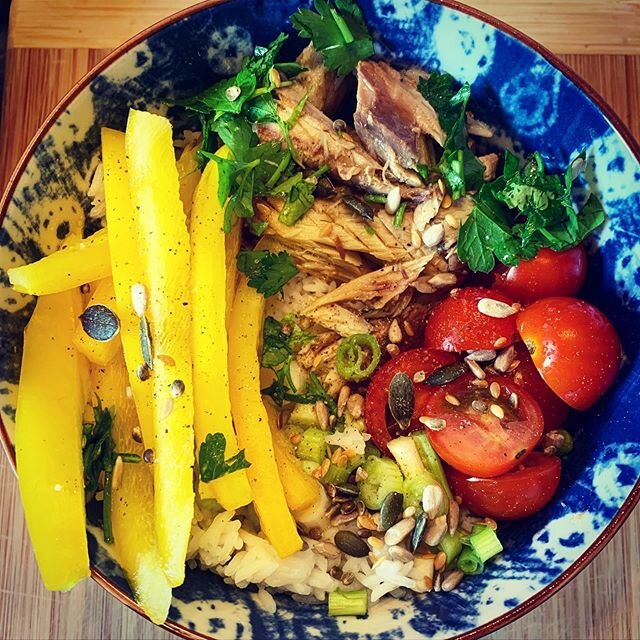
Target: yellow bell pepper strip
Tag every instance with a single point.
(132, 512)
(49, 441)
(165, 247)
(81, 262)
(231, 248)
(189, 175)
(252, 422)
(210, 345)
(98, 351)
(300, 489)
(127, 269)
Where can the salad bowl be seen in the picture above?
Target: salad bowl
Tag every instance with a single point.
(536, 104)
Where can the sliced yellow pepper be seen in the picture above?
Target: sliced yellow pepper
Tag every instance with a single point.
(132, 512)
(49, 441)
(231, 248)
(189, 176)
(252, 422)
(300, 489)
(210, 347)
(98, 351)
(165, 247)
(81, 262)
(127, 268)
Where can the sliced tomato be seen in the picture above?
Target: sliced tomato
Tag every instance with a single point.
(554, 410)
(517, 494)
(550, 273)
(378, 419)
(574, 347)
(483, 436)
(457, 324)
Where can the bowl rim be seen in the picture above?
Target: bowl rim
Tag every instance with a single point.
(617, 124)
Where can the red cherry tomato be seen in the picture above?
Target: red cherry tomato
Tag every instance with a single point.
(457, 325)
(554, 410)
(484, 436)
(574, 347)
(380, 424)
(517, 494)
(550, 273)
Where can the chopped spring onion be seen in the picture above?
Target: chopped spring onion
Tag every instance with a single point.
(336, 474)
(376, 197)
(399, 217)
(358, 356)
(469, 562)
(348, 603)
(451, 545)
(312, 446)
(431, 461)
(484, 541)
(383, 477)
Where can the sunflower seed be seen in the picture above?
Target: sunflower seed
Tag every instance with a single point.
(401, 399)
(322, 414)
(452, 580)
(139, 298)
(482, 355)
(504, 360)
(375, 543)
(399, 531)
(476, 369)
(361, 474)
(437, 582)
(436, 530)
(116, 476)
(391, 510)
(433, 424)
(395, 333)
(453, 517)
(495, 308)
(409, 512)
(447, 374)
(343, 396)
(327, 550)
(393, 200)
(350, 544)
(100, 323)
(440, 561)
(355, 406)
(500, 342)
(432, 500)
(400, 554)
(433, 235)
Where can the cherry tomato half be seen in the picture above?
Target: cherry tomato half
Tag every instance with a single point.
(517, 494)
(456, 324)
(554, 410)
(550, 273)
(574, 347)
(380, 424)
(483, 436)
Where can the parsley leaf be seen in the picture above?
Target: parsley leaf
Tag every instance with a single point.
(523, 211)
(338, 32)
(267, 272)
(211, 461)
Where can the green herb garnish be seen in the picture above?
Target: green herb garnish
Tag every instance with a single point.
(267, 272)
(525, 210)
(99, 455)
(211, 460)
(338, 32)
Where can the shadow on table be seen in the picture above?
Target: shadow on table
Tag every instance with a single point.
(4, 20)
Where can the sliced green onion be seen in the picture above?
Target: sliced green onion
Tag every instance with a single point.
(352, 362)
(469, 562)
(451, 545)
(107, 526)
(484, 541)
(312, 446)
(336, 474)
(374, 197)
(399, 217)
(348, 603)
(431, 460)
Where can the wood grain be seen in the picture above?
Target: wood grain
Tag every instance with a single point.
(567, 26)
(601, 603)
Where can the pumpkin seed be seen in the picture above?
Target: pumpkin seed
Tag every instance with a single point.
(347, 490)
(401, 399)
(391, 510)
(446, 374)
(100, 323)
(145, 342)
(418, 532)
(351, 544)
(359, 206)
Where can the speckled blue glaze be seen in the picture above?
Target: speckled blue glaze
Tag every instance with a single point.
(535, 107)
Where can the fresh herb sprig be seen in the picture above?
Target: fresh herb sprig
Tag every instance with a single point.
(211, 460)
(459, 168)
(338, 32)
(99, 455)
(525, 210)
(267, 272)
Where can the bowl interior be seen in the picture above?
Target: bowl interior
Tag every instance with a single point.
(535, 107)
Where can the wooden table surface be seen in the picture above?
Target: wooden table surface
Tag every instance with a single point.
(52, 43)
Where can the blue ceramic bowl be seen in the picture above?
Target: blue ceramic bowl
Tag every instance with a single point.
(536, 103)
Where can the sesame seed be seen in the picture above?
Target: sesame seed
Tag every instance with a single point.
(497, 411)
(408, 328)
(494, 390)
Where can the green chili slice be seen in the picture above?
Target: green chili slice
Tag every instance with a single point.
(357, 357)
